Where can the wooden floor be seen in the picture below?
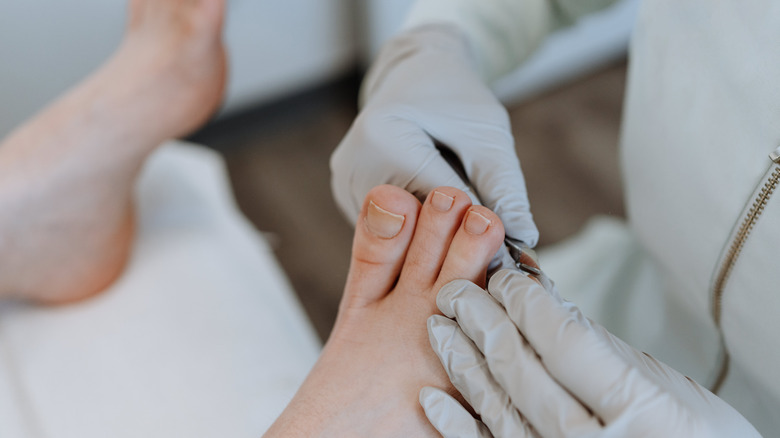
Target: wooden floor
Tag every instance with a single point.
(278, 162)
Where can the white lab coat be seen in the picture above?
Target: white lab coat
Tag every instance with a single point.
(702, 115)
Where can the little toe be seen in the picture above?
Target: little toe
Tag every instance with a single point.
(440, 217)
(479, 237)
(383, 232)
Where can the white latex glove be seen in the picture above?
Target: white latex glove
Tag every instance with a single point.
(530, 364)
(424, 88)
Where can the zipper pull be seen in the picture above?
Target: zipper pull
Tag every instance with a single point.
(775, 155)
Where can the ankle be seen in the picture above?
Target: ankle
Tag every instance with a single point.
(169, 90)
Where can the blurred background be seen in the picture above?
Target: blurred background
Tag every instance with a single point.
(296, 67)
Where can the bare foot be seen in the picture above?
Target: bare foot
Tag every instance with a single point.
(179, 45)
(367, 381)
(66, 177)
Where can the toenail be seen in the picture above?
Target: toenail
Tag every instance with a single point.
(476, 223)
(382, 222)
(441, 202)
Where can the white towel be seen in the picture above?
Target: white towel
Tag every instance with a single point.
(201, 337)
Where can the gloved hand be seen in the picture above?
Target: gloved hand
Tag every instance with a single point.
(424, 89)
(530, 364)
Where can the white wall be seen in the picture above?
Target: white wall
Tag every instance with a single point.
(594, 41)
(277, 46)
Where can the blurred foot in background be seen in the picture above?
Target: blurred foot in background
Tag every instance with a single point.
(67, 175)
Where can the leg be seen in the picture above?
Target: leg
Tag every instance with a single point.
(66, 177)
(367, 380)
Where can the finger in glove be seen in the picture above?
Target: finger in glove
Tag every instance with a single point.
(548, 407)
(448, 416)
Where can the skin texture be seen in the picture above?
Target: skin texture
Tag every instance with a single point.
(367, 380)
(66, 182)
(67, 175)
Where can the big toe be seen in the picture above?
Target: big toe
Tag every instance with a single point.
(383, 232)
(477, 240)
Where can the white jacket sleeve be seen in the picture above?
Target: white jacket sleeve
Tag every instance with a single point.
(502, 33)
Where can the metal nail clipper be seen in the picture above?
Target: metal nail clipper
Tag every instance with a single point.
(516, 249)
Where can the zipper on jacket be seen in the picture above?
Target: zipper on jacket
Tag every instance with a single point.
(750, 217)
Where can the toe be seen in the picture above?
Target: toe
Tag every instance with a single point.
(477, 240)
(383, 232)
(439, 219)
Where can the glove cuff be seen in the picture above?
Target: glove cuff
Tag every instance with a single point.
(501, 33)
(436, 40)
